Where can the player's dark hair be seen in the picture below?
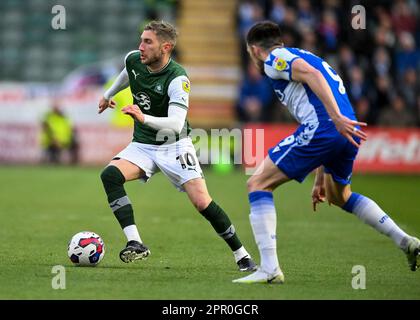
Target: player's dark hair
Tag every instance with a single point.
(164, 30)
(265, 34)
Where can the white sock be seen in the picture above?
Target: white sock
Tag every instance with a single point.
(369, 212)
(240, 253)
(263, 220)
(132, 233)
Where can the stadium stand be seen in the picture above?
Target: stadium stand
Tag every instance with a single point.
(377, 64)
(95, 30)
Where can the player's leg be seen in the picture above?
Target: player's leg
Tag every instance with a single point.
(180, 164)
(200, 198)
(263, 220)
(113, 178)
(292, 158)
(370, 213)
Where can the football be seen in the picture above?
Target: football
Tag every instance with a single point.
(86, 248)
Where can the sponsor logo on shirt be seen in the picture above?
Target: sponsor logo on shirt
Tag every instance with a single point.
(280, 64)
(143, 100)
(186, 86)
(135, 74)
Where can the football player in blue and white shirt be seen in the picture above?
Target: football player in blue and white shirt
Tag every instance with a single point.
(327, 140)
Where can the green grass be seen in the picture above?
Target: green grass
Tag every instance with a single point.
(42, 207)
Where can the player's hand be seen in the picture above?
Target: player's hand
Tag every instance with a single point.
(134, 111)
(318, 195)
(348, 129)
(104, 104)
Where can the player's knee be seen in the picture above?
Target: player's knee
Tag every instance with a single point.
(105, 175)
(112, 174)
(334, 201)
(253, 184)
(201, 203)
(337, 200)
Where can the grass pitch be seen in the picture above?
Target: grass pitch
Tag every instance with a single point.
(42, 207)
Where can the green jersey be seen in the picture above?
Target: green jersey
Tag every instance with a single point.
(153, 92)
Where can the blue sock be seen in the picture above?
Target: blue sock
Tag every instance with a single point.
(370, 213)
(263, 220)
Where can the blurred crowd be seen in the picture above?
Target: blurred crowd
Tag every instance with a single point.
(379, 64)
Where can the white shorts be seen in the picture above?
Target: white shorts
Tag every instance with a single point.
(178, 161)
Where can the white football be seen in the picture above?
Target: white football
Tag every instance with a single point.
(86, 248)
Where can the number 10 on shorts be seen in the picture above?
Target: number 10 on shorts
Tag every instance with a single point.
(187, 160)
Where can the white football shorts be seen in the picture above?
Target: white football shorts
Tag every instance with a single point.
(178, 160)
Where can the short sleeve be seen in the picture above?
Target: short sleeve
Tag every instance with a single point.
(179, 91)
(278, 64)
(127, 55)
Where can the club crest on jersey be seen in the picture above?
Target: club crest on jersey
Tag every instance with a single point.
(143, 100)
(158, 88)
(280, 64)
(186, 86)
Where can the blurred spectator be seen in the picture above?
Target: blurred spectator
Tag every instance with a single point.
(357, 88)
(278, 11)
(384, 37)
(249, 12)
(381, 62)
(409, 87)
(58, 137)
(291, 35)
(328, 29)
(407, 56)
(309, 40)
(305, 14)
(255, 97)
(403, 19)
(383, 18)
(347, 61)
(332, 5)
(397, 115)
(382, 95)
(363, 110)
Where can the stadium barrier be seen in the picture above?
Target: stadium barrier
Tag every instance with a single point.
(98, 143)
(387, 150)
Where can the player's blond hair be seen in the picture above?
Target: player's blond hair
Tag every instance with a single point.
(164, 31)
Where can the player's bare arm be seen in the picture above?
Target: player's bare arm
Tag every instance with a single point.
(303, 72)
(318, 190)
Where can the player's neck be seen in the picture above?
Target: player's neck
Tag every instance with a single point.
(271, 49)
(159, 65)
(265, 53)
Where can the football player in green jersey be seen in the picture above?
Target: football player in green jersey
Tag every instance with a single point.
(160, 89)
